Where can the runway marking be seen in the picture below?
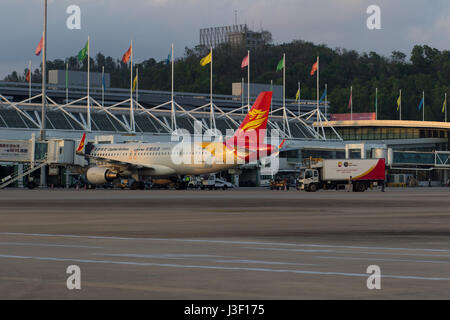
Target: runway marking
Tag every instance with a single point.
(265, 262)
(166, 265)
(219, 242)
(354, 252)
(159, 256)
(190, 256)
(47, 245)
(387, 260)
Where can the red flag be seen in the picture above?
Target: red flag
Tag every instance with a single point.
(314, 68)
(28, 77)
(39, 47)
(127, 55)
(244, 62)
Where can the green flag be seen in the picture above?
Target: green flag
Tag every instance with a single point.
(83, 52)
(280, 65)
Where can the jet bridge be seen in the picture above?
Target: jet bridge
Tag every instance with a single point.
(28, 156)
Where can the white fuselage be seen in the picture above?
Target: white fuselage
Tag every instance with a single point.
(159, 159)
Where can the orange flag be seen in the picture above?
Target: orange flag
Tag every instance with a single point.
(28, 77)
(127, 55)
(314, 68)
(39, 47)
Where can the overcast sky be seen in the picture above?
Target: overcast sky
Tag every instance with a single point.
(155, 24)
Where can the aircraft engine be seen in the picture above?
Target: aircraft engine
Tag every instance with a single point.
(97, 175)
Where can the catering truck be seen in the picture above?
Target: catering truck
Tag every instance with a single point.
(330, 174)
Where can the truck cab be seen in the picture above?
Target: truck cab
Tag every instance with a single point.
(308, 180)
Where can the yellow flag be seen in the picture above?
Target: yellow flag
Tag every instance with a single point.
(399, 101)
(206, 60)
(297, 95)
(444, 106)
(134, 83)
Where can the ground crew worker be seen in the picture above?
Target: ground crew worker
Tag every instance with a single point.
(350, 184)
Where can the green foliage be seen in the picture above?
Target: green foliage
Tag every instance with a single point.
(428, 70)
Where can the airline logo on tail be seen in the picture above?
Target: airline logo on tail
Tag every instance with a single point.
(256, 119)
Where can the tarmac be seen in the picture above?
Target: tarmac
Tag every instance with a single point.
(234, 244)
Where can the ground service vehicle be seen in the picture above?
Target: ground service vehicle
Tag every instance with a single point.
(211, 182)
(330, 174)
(278, 184)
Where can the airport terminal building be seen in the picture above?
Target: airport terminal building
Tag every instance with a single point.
(412, 148)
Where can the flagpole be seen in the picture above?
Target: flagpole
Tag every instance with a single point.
(242, 95)
(376, 103)
(446, 107)
(211, 92)
(284, 93)
(174, 123)
(271, 90)
(326, 100)
(172, 76)
(131, 90)
(44, 76)
(298, 102)
(29, 82)
(423, 98)
(400, 104)
(210, 78)
(103, 86)
(89, 83)
(248, 79)
(351, 103)
(137, 84)
(318, 80)
(67, 82)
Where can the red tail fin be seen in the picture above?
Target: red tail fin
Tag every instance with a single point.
(81, 145)
(254, 126)
(256, 118)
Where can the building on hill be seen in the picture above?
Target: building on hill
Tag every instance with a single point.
(236, 35)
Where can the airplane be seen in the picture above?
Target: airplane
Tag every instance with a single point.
(138, 160)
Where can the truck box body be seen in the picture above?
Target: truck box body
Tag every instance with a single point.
(358, 169)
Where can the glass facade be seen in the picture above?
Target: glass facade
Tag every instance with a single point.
(386, 133)
(419, 158)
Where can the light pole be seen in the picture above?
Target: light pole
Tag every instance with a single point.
(44, 75)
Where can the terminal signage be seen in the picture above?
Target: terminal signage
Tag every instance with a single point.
(15, 150)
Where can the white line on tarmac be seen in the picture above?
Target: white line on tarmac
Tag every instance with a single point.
(159, 255)
(386, 260)
(166, 265)
(265, 262)
(219, 242)
(354, 252)
(46, 245)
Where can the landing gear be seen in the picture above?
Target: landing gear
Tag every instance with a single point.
(138, 185)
